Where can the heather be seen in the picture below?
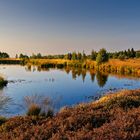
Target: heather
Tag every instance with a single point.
(114, 116)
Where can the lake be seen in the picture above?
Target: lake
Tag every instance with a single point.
(64, 87)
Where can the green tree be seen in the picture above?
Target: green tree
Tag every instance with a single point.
(4, 55)
(74, 56)
(102, 56)
(79, 56)
(129, 53)
(84, 57)
(138, 54)
(16, 56)
(23, 56)
(93, 55)
(133, 53)
(39, 55)
(121, 56)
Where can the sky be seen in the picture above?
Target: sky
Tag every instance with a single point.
(62, 26)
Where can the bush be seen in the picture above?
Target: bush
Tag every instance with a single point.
(3, 82)
(34, 110)
(49, 113)
(124, 102)
(121, 57)
(2, 120)
(102, 56)
(138, 54)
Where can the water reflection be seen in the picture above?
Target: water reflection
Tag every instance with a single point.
(92, 75)
(76, 72)
(68, 86)
(101, 79)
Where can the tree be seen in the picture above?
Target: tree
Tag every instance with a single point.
(102, 56)
(121, 56)
(23, 56)
(129, 53)
(39, 55)
(79, 56)
(133, 53)
(74, 56)
(138, 54)
(93, 55)
(4, 55)
(16, 55)
(84, 55)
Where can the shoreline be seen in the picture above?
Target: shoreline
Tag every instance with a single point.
(114, 115)
(113, 66)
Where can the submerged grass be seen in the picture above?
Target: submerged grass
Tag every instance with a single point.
(114, 116)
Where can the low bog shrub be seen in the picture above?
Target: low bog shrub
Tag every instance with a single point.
(33, 110)
(2, 120)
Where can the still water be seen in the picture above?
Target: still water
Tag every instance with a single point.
(64, 87)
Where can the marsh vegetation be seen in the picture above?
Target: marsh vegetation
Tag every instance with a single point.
(113, 116)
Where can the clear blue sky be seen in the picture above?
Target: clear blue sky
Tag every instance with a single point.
(60, 26)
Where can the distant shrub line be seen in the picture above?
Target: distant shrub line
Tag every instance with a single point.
(126, 54)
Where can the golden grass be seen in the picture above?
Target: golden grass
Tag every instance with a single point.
(128, 62)
(115, 62)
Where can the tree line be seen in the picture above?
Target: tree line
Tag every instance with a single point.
(130, 53)
(4, 55)
(100, 56)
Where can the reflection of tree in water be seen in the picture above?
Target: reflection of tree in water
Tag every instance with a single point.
(74, 74)
(101, 79)
(79, 72)
(92, 75)
(38, 68)
(84, 75)
(28, 68)
(67, 70)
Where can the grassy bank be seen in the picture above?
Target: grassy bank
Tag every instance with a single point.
(116, 66)
(115, 116)
(128, 66)
(10, 61)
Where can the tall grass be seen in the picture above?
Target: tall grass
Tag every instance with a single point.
(129, 66)
(38, 105)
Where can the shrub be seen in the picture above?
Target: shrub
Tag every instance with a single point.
(33, 110)
(2, 120)
(50, 113)
(124, 102)
(102, 56)
(121, 57)
(3, 82)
